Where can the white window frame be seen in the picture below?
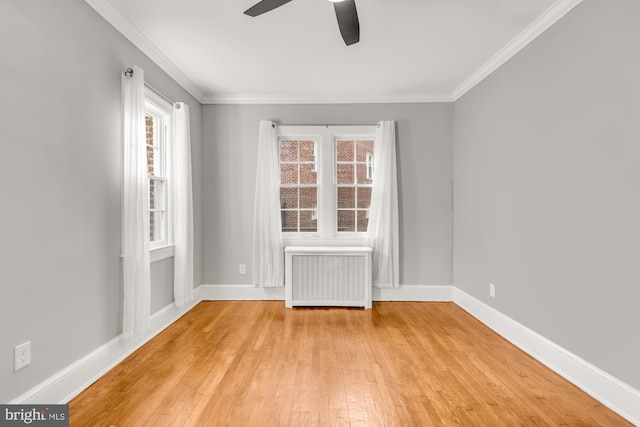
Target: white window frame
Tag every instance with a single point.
(162, 110)
(325, 138)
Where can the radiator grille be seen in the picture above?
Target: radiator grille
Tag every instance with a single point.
(328, 277)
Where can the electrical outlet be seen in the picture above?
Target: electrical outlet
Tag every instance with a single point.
(492, 290)
(242, 269)
(22, 356)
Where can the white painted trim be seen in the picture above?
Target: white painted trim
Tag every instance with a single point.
(159, 254)
(610, 391)
(381, 98)
(537, 27)
(414, 293)
(121, 24)
(241, 293)
(70, 381)
(613, 393)
(124, 27)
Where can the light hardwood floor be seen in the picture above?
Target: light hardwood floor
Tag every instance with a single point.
(256, 363)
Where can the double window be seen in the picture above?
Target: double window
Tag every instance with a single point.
(158, 131)
(326, 177)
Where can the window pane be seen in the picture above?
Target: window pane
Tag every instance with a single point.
(307, 174)
(345, 173)
(299, 192)
(308, 221)
(289, 221)
(152, 194)
(369, 165)
(307, 151)
(289, 173)
(346, 221)
(289, 151)
(288, 198)
(362, 148)
(149, 125)
(364, 197)
(346, 198)
(151, 156)
(308, 198)
(363, 220)
(362, 174)
(156, 194)
(156, 224)
(344, 151)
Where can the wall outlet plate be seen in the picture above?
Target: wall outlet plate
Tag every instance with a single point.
(242, 269)
(492, 290)
(22, 356)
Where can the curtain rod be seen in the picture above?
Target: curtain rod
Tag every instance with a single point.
(129, 73)
(157, 92)
(276, 124)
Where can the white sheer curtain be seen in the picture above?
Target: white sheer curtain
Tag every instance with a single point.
(383, 230)
(268, 260)
(183, 206)
(135, 210)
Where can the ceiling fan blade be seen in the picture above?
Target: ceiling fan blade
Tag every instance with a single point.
(264, 6)
(348, 21)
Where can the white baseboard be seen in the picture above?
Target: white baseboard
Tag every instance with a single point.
(240, 293)
(420, 293)
(70, 381)
(618, 396)
(417, 293)
(611, 392)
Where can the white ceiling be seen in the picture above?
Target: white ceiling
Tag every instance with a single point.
(409, 50)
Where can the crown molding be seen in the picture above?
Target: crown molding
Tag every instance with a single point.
(556, 11)
(122, 25)
(329, 99)
(537, 27)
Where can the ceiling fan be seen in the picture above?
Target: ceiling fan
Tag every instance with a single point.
(345, 12)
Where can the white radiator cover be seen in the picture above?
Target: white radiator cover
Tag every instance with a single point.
(328, 276)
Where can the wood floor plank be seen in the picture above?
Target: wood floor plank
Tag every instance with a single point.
(256, 363)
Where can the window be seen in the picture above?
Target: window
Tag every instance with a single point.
(325, 180)
(298, 185)
(353, 184)
(157, 121)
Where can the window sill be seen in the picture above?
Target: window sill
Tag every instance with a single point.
(161, 253)
(323, 241)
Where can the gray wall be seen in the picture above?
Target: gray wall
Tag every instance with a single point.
(424, 147)
(547, 181)
(60, 168)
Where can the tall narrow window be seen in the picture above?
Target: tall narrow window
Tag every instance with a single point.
(354, 163)
(157, 120)
(298, 186)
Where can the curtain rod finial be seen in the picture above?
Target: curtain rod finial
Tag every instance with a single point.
(128, 72)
